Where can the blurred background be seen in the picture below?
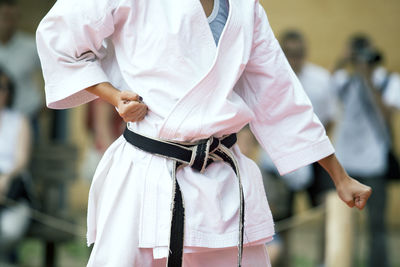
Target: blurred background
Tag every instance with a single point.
(345, 54)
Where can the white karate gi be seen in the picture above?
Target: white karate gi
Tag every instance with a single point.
(194, 90)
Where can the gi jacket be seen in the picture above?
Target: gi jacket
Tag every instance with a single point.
(165, 52)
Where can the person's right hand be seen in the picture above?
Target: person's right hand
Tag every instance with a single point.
(130, 107)
(353, 193)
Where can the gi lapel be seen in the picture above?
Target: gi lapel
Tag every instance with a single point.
(229, 44)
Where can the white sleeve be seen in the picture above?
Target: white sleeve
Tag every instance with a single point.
(284, 123)
(69, 41)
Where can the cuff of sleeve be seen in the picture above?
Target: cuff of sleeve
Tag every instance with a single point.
(304, 157)
(70, 91)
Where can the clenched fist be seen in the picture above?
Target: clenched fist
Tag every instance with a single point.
(353, 193)
(130, 107)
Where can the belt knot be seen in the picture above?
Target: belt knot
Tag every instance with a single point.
(202, 152)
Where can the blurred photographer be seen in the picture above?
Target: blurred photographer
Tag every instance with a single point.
(369, 95)
(18, 57)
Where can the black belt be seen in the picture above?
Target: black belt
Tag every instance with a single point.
(198, 156)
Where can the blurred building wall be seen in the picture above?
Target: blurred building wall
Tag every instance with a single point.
(32, 11)
(328, 23)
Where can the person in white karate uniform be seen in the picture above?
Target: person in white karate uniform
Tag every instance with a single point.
(160, 64)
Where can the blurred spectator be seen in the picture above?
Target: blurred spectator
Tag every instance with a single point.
(18, 57)
(104, 126)
(105, 123)
(313, 179)
(314, 79)
(14, 154)
(369, 94)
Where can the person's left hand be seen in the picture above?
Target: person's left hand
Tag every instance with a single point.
(353, 193)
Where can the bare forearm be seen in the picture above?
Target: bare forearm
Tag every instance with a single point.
(129, 105)
(105, 91)
(332, 165)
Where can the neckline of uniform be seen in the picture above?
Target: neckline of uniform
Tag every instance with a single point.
(214, 12)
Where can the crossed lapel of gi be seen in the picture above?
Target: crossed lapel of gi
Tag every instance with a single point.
(206, 87)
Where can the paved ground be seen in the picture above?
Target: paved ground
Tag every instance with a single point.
(306, 249)
(304, 240)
